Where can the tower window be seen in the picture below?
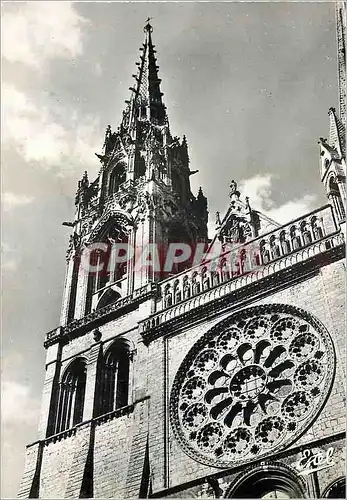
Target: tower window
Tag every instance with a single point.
(115, 392)
(117, 177)
(71, 398)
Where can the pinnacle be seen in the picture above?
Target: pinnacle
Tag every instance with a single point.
(145, 103)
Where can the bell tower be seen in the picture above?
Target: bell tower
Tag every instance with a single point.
(93, 438)
(333, 149)
(140, 200)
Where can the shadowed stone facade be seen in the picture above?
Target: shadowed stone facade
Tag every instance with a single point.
(204, 381)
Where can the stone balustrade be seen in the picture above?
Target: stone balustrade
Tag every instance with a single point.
(233, 284)
(250, 257)
(100, 316)
(294, 242)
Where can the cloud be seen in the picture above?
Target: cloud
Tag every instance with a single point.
(98, 69)
(20, 411)
(33, 32)
(293, 209)
(38, 136)
(12, 200)
(15, 396)
(260, 191)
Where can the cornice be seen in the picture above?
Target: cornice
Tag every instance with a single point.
(101, 316)
(235, 292)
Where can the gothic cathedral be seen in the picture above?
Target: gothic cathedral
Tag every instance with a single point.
(219, 377)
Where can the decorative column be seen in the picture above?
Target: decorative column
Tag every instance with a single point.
(67, 310)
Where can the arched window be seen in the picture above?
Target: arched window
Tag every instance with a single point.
(115, 388)
(186, 287)
(225, 269)
(270, 482)
(195, 283)
(109, 296)
(205, 279)
(117, 177)
(71, 396)
(177, 292)
(264, 252)
(306, 234)
(285, 245)
(296, 240)
(167, 296)
(275, 250)
(316, 228)
(337, 489)
(139, 165)
(106, 270)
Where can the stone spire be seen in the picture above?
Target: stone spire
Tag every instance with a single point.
(146, 97)
(143, 193)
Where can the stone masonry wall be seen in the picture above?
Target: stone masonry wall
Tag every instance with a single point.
(56, 464)
(117, 464)
(322, 296)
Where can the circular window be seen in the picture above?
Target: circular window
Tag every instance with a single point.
(251, 385)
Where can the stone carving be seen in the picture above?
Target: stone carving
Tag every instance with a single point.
(121, 220)
(74, 245)
(236, 230)
(218, 221)
(251, 385)
(233, 188)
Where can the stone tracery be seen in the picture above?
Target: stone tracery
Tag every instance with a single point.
(251, 385)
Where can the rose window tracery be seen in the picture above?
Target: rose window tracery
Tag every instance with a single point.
(251, 385)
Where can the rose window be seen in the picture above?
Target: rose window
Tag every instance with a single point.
(251, 385)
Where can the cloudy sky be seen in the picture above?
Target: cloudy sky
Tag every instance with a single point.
(249, 84)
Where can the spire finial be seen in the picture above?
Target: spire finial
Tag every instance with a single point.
(148, 27)
(233, 187)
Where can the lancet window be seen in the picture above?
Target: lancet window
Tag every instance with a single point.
(115, 377)
(71, 396)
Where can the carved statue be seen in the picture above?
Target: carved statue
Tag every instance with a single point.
(218, 221)
(107, 137)
(233, 188)
(74, 243)
(186, 288)
(235, 232)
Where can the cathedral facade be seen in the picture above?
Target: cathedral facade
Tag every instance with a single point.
(178, 370)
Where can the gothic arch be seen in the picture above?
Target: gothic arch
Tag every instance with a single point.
(336, 489)
(109, 296)
(71, 395)
(116, 177)
(114, 228)
(112, 218)
(260, 480)
(115, 376)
